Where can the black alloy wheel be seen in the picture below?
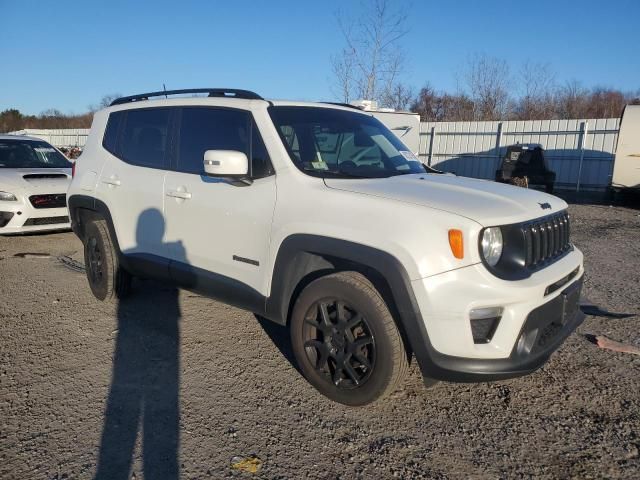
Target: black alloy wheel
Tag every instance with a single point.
(339, 342)
(345, 340)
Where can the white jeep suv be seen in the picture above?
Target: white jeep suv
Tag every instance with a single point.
(317, 217)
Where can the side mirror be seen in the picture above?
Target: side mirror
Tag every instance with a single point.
(226, 163)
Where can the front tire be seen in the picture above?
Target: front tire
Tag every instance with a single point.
(107, 279)
(345, 340)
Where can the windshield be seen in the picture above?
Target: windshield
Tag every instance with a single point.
(30, 154)
(332, 142)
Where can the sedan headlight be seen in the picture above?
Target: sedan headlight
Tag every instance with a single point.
(7, 197)
(492, 245)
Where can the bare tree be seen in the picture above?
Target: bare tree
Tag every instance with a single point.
(606, 103)
(442, 107)
(536, 79)
(537, 85)
(426, 104)
(371, 61)
(572, 100)
(343, 69)
(535, 96)
(488, 80)
(105, 101)
(398, 97)
(457, 107)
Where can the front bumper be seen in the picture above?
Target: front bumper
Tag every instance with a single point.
(544, 330)
(21, 217)
(534, 323)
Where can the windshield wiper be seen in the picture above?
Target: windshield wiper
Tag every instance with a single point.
(337, 173)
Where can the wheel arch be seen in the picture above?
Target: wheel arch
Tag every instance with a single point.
(303, 258)
(83, 209)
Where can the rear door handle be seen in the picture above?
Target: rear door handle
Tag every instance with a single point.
(178, 194)
(112, 180)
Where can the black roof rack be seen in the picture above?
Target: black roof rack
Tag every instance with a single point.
(213, 92)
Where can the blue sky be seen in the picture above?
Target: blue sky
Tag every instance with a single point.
(68, 54)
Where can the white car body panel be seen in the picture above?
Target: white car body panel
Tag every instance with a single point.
(219, 221)
(131, 190)
(12, 181)
(486, 202)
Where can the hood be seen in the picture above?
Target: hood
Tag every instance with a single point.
(486, 202)
(36, 180)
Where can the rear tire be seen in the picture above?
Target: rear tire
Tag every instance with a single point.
(107, 279)
(345, 340)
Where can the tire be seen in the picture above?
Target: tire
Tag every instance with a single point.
(353, 354)
(107, 279)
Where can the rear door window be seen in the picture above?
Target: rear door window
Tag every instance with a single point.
(145, 137)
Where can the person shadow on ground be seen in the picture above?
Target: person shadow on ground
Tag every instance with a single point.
(144, 392)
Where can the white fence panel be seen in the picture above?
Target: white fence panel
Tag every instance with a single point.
(581, 152)
(64, 137)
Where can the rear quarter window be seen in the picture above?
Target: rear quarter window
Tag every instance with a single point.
(110, 140)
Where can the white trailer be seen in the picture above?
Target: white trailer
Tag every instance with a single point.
(626, 167)
(405, 125)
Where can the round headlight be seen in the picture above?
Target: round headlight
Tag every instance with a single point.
(7, 197)
(492, 245)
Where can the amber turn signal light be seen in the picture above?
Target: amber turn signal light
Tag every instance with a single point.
(456, 244)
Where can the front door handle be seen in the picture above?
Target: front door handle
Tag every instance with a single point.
(178, 194)
(112, 181)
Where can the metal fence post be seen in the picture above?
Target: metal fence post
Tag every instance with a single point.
(433, 134)
(584, 131)
(498, 141)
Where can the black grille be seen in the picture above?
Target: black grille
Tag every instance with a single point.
(46, 221)
(53, 200)
(546, 239)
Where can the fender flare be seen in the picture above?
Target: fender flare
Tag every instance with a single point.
(77, 204)
(302, 254)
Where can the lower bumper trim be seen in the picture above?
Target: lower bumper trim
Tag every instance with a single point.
(35, 221)
(544, 330)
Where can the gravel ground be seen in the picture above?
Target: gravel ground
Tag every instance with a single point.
(206, 383)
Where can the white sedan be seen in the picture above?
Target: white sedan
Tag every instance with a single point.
(34, 177)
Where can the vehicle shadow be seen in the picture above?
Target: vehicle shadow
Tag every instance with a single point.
(144, 392)
(565, 162)
(279, 336)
